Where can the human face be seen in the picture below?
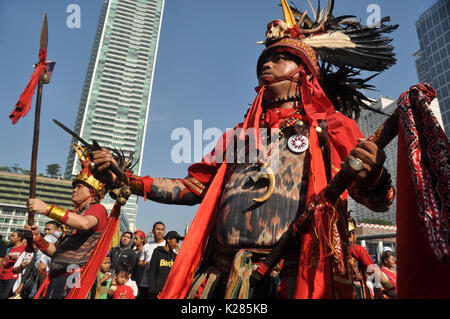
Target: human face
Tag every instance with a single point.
(173, 243)
(14, 238)
(80, 194)
(49, 228)
(126, 239)
(121, 278)
(275, 66)
(390, 262)
(138, 240)
(352, 237)
(159, 231)
(106, 264)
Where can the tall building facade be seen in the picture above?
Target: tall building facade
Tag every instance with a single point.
(14, 193)
(115, 99)
(433, 57)
(368, 122)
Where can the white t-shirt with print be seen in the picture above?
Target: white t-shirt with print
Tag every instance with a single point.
(24, 257)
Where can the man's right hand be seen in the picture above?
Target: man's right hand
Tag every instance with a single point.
(102, 160)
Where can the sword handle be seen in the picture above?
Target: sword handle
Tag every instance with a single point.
(381, 137)
(112, 166)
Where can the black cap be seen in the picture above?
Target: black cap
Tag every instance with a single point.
(173, 234)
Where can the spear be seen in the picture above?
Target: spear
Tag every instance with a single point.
(42, 79)
(41, 75)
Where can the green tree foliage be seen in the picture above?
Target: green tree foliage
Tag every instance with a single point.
(53, 170)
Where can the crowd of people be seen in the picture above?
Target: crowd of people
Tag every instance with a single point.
(137, 269)
(134, 269)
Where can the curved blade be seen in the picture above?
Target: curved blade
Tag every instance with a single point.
(44, 33)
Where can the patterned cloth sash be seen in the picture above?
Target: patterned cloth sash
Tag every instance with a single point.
(429, 165)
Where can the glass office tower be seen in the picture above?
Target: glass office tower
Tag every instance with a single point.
(433, 57)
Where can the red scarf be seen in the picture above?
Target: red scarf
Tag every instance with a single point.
(24, 104)
(343, 134)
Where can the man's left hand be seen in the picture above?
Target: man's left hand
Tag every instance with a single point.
(372, 158)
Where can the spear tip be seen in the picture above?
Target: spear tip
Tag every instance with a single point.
(44, 32)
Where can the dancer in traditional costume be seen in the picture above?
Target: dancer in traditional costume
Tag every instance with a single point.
(83, 225)
(302, 129)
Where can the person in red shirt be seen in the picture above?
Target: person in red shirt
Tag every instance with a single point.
(84, 226)
(388, 275)
(360, 261)
(119, 289)
(7, 277)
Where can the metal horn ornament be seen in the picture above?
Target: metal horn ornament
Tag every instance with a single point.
(270, 176)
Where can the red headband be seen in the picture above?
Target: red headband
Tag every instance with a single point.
(139, 233)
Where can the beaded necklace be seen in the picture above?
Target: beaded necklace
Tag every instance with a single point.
(285, 99)
(298, 142)
(286, 122)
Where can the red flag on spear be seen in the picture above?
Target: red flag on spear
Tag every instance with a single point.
(23, 105)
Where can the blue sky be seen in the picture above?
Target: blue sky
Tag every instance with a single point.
(205, 70)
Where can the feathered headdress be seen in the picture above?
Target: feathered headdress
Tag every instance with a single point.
(335, 50)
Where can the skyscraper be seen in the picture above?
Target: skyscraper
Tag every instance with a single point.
(433, 57)
(115, 99)
(368, 122)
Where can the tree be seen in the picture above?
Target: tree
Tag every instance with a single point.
(16, 168)
(53, 170)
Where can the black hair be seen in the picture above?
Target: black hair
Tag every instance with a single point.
(159, 222)
(123, 267)
(28, 235)
(127, 232)
(52, 222)
(385, 256)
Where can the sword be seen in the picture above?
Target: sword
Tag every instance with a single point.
(95, 147)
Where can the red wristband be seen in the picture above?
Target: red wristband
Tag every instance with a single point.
(66, 217)
(41, 244)
(145, 181)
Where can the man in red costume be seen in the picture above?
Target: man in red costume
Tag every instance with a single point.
(84, 225)
(246, 207)
(360, 262)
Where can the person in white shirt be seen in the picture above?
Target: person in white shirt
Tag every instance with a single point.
(22, 262)
(159, 230)
(52, 234)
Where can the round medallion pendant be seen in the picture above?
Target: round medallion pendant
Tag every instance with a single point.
(298, 143)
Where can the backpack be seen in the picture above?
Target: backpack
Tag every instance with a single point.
(29, 278)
